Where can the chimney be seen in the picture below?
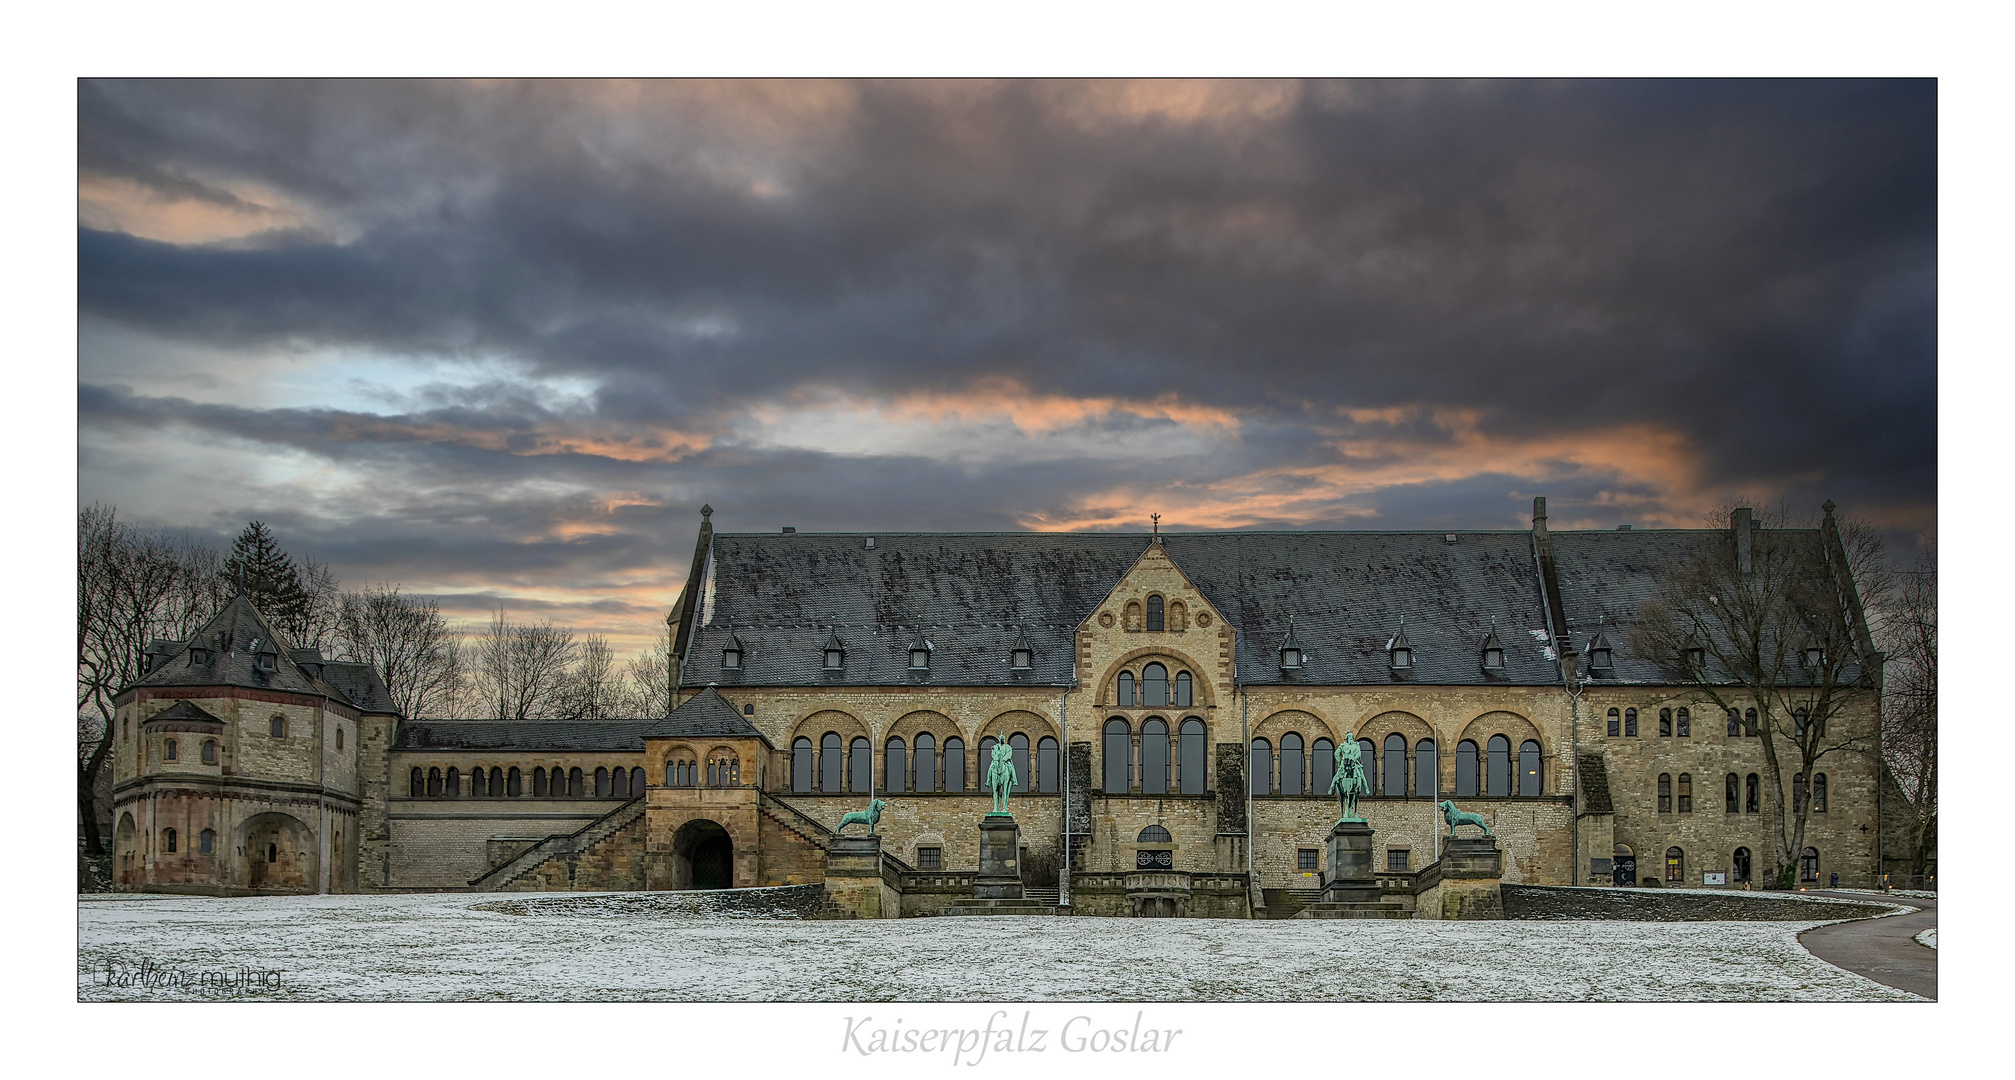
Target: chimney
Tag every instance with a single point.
(1539, 514)
(1740, 523)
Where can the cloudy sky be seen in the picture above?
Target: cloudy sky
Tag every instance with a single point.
(499, 342)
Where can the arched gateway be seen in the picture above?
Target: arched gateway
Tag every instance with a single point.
(703, 856)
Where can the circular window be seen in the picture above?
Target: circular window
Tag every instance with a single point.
(1203, 618)
(1105, 619)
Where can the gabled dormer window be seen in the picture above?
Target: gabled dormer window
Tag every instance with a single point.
(1022, 654)
(1600, 656)
(269, 661)
(920, 659)
(1399, 651)
(1290, 650)
(1814, 656)
(1696, 659)
(1402, 657)
(1493, 650)
(1290, 658)
(731, 659)
(836, 652)
(1022, 658)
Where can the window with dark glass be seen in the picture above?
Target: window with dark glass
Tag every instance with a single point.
(1260, 767)
(832, 763)
(434, 783)
(577, 784)
(278, 726)
(801, 765)
(1154, 756)
(1154, 686)
(1665, 723)
(619, 783)
(1797, 792)
(1616, 721)
(1749, 723)
(1126, 689)
(1394, 781)
(209, 751)
(1321, 766)
(1751, 799)
(1664, 793)
(168, 837)
(955, 764)
(1018, 754)
(1630, 723)
(1290, 764)
(924, 770)
(1305, 858)
(454, 782)
(1500, 766)
(1118, 755)
(1395, 860)
(1684, 720)
(1465, 768)
(1675, 865)
(1182, 690)
(860, 765)
(602, 782)
(514, 784)
(1155, 619)
(895, 770)
(1046, 764)
(1734, 723)
(930, 858)
(1685, 793)
(419, 786)
(1734, 795)
(1530, 782)
(206, 842)
(1818, 793)
(1426, 769)
(1155, 834)
(1739, 866)
(1808, 865)
(498, 790)
(1194, 767)
(168, 750)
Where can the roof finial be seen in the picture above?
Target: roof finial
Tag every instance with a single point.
(1157, 527)
(706, 512)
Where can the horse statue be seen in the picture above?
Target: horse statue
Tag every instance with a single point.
(1350, 781)
(1001, 777)
(1456, 817)
(870, 817)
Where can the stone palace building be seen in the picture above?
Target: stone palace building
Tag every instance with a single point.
(1173, 703)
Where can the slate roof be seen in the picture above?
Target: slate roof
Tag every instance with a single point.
(186, 711)
(973, 593)
(705, 715)
(231, 642)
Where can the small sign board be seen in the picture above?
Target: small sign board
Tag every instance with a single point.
(1714, 877)
(1598, 866)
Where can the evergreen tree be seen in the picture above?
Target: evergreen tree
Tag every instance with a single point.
(269, 577)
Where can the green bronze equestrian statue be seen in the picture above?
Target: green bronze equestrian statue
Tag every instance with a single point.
(1349, 782)
(1001, 777)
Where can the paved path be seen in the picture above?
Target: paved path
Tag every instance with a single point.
(1881, 949)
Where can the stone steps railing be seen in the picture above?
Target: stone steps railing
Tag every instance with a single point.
(558, 845)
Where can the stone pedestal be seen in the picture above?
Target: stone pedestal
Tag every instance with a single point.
(1350, 868)
(999, 875)
(854, 878)
(1467, 887)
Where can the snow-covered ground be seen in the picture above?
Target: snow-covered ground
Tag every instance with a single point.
(627, 948)
(1928, 937)
(1917, 893)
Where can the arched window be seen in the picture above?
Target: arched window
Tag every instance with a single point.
(1290, 764)
(278, 726)
(1749, 723)
(168, 839)
(1616, 721)
(1155, 834)
(1155, 623)
(1465, 768)
(1426, 769)
(454, 783)
(206, 842)
(1530, 780)
(860, 765)
(577, 784)
(1368, 755)
(1684, 720)
(1665, 723)
(619, 784)
(497, 788)
(434, 783)
(1685, 793)
(539, 789)
(1394, 781)
(1630, 723)
(1321, 766)
(895, 766)
(1154, 686)
(1808, 865)
(955, 764)
(1046, 764)
(1182, 690)
(1675, 865)
(601, 782)
(209, 751)
(1751, 799)
(832, 763)
(1126, 689)
(1818, 793)
(1154, 756)
(801, 765)
(1740, 866)
(1797, 792)
(924, 770)
(672, 773)
(1664, 793)
(1261, 767)
(1118, 754)
(1195, 763)
(514, 783)
(1500, 766)
(636, 781)
(339, 738)
(1018, 753)
(419, 782)
(168, 750)
(272, 853)
(1734, 795)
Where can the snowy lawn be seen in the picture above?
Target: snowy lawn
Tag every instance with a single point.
(1928, 937)
(630, 947)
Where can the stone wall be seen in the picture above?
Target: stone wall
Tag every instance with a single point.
(443, 843)
(1674, 905)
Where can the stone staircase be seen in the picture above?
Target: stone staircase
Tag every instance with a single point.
(558, 846)
(1288, 903)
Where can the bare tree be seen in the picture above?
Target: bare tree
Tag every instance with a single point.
(649, 682)
(405, 638)
(132, 585)
(595, 687)
(1910, 707)
(1763, 616)
(523, 669)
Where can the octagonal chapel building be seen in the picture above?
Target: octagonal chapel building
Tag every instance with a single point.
(1172, 703)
